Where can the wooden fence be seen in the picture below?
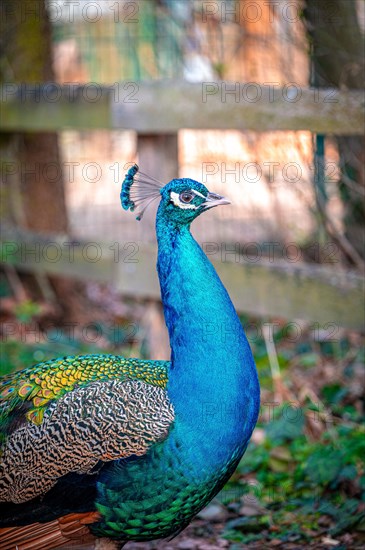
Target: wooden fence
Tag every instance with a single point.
(160, 107)
(312, 293)
(157, 110)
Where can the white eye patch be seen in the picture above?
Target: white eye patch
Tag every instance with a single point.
(175, 199)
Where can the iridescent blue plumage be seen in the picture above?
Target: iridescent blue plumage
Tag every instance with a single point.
(212, 385)
(207, 396)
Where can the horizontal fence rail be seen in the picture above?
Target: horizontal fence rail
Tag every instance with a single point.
(312, 293)
(168, 106)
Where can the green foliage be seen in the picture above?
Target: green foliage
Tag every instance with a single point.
(298, 482)
(294, 485)
(288, 426)
(25, 311)
(324, 466)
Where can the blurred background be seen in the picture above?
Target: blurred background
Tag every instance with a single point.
(89, 88)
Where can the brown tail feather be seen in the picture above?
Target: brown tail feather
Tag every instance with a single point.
(71, 530)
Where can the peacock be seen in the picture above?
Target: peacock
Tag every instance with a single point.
(106, 450)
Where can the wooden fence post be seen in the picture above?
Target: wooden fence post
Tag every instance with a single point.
(157, 157)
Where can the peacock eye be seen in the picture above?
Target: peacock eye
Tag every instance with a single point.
(186, 197)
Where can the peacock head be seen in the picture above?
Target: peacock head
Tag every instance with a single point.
(182, 200)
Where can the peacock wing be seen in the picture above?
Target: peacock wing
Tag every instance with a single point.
(74, 414)
(26, 394)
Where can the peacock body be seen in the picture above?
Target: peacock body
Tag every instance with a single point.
(127, 449)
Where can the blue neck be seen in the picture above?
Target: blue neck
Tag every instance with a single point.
(213, 382)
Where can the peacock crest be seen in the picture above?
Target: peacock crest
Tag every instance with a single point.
(138, 191)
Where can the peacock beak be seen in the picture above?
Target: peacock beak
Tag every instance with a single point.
(213, 200)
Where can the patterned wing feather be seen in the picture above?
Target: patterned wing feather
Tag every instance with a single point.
(117, 412)
(25, 395)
